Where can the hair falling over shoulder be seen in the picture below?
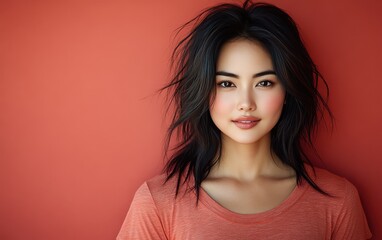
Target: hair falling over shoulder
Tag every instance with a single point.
(192, 86)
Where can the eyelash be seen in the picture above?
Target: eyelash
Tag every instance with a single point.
(222, 83)
(269, 83)
(260, 84)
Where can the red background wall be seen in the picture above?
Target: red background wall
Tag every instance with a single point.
(81, 128)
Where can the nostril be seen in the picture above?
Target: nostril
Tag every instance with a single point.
(246, 108)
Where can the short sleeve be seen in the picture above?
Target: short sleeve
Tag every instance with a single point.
(142, 220)
(351, 223)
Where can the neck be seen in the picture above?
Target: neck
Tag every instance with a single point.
(246, 162)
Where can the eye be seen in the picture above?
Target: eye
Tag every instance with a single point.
(264, 83)
(226, 84)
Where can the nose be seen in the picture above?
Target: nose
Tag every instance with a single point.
(246, 101)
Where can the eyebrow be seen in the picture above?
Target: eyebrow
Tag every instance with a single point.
(228, 74)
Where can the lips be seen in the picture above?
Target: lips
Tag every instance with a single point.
(246, 122)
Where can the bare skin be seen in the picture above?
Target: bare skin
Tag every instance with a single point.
(244, 185)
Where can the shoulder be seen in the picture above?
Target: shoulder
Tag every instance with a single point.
(343, 204)
(341, 194)
(331, 183)
(349, 220)
(144, 195)
(146, 218)
(160, 191)
(160, 187)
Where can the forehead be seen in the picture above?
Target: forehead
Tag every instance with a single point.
(242, 56)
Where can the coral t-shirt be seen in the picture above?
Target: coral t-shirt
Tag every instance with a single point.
(155, 213)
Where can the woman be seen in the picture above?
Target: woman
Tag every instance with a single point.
(246, 100)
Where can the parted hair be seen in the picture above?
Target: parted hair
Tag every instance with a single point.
(193, 84)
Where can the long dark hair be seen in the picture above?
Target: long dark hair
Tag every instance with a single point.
(193, 83)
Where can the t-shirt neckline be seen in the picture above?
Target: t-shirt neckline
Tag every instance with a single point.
(265, 216)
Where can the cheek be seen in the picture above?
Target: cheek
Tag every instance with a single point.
(222, 104)
(272, 104)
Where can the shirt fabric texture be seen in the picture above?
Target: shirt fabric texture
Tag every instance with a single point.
(155, 213)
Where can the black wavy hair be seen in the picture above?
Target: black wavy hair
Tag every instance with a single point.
(193, 83)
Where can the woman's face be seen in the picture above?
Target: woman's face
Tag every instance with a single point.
(249, 97)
